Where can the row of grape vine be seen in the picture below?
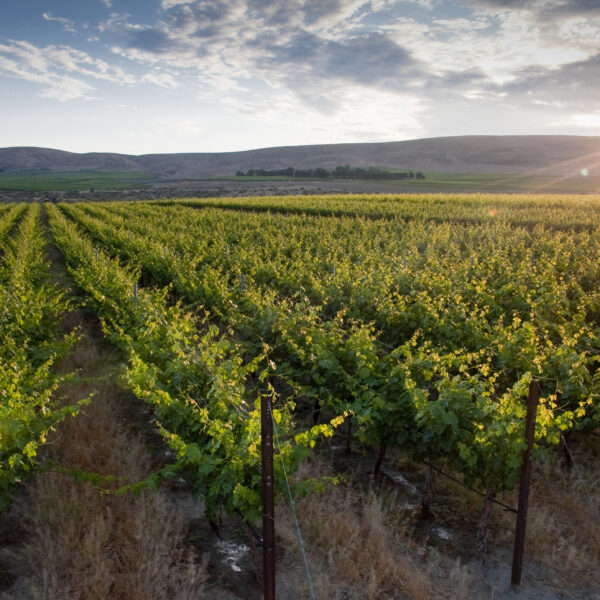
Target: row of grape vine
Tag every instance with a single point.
(31, 345)
(429, 333)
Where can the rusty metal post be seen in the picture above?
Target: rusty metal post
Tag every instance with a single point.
(532, 404)
(380, 459)
(266, 430)
(427, 493)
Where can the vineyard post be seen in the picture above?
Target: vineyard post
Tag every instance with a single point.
(427, 493)
(135, 292)
(532, 404)
(266, 430)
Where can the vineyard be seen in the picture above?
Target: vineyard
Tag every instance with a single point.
(408, 326)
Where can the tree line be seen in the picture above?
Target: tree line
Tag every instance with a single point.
(345, 172)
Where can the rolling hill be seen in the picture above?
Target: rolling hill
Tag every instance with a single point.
(551, 155)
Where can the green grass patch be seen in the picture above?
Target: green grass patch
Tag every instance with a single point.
(39, 181)
(494, 182)
(461, 182)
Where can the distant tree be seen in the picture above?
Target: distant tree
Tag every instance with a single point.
(340, 172)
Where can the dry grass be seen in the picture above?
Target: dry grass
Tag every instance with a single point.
(83, 545)
(563, 529)
(358, 546)
(363, 545)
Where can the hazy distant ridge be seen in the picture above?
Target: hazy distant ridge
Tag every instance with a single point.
(463, 154)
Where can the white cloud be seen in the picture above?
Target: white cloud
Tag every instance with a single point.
(61, 70)
(166, 4)
(66, 88)
(68, 24)
(165, 80)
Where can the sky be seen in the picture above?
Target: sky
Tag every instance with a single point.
(149, 76)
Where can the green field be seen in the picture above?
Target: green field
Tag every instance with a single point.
(463, 182)
(484, 182)
(36, 181)
(39, 181)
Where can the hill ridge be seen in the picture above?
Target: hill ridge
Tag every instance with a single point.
(556, 154)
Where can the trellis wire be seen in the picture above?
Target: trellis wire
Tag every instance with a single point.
(306, 567)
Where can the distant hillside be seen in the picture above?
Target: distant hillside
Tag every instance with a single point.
(552, 155)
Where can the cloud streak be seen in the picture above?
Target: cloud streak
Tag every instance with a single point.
(545, 8)
(68, 24)
(574, 84)
(62, 71)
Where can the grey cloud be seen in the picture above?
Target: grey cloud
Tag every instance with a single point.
(303, 48)
(573, 84)
(210, 31)
(275, 41)
(273, 13)
(523, 4)
(283, 51)
(269, 12)
(152, 40)
(543, 8)
(182, 24)
(317, 9)
(575, 6)
(200, 12)
(572, 8)
(368, 59)
(459, 79)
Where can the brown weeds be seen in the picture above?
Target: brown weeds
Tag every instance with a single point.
(563, 530)
(84, 545)
(358, 548)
